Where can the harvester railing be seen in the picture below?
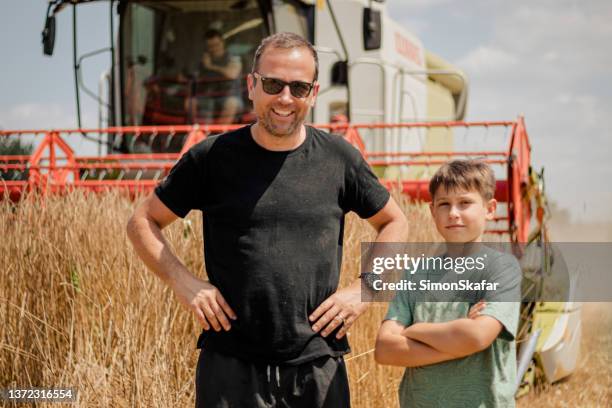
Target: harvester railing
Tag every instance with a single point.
(54, 167)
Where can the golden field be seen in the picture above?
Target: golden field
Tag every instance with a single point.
(79, 309)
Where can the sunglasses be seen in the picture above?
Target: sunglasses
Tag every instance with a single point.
(273, 86)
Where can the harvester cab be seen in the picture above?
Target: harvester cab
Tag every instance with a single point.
(165, 55)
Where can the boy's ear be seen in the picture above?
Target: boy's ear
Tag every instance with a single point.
(491, 207)
(431, 208)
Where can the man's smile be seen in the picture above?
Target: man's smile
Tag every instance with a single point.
(282, 112)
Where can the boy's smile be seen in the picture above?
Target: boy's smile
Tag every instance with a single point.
(461, 216)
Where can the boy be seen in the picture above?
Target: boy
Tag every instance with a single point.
(457, 355)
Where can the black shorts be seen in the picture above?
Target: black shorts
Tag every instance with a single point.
(223, 381)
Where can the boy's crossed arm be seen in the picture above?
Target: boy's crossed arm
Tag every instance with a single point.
(459, 338)
(429, 343)
(393, 348)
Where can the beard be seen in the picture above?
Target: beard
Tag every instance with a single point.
(284, 130)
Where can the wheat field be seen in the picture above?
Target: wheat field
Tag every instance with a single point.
(78, 308)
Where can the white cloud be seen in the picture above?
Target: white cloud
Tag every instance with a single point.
(564, 98)
(592, 112)
(574, 37)
(551, 56)
(36, 115)
(487, 59)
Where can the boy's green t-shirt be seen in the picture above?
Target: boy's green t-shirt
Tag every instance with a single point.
(484, 379)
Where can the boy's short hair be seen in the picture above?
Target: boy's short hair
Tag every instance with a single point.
(464, 175)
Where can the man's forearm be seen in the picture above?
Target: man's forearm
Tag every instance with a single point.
(397, 350)
(203, 299)
(458, 337)
(394, 231)
(154, 250)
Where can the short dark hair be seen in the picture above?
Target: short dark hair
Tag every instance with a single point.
(285, 41)
(210, 34)
(464, 175)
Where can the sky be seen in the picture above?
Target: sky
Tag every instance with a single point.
(544, 59)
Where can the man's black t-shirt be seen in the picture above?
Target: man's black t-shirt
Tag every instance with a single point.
(273, 230)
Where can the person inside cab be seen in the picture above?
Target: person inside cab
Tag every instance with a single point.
(218, 94)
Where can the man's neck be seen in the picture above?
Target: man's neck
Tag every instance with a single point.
(277, 143)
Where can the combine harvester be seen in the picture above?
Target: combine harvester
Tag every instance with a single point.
(402, 106)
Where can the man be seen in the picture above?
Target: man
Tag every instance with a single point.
(219, 95)
(273, 197)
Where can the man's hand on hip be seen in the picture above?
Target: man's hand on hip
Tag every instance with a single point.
(206, 302)
(340, 309)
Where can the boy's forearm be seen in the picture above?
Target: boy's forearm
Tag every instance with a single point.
(398, 350)
(457, 337)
